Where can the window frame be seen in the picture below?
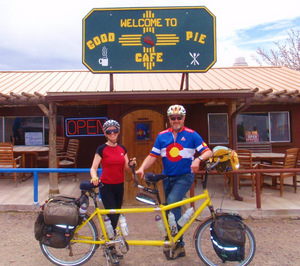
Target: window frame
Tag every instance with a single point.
(210, 141)
(269, 114)
(43, 125)
(288, 125)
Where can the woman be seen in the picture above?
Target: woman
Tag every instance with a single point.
(113, 158)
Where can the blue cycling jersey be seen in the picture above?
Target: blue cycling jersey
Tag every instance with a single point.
(177, 156)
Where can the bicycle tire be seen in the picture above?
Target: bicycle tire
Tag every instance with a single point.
(75, 253)
(205, 250)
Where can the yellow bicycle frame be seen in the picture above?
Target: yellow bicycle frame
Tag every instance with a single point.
(161, 208)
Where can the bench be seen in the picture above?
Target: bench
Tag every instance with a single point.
(255, 146)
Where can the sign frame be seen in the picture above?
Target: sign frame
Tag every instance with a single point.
(149, 40)
(85, 124)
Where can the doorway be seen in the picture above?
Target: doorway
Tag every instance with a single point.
(139, 131)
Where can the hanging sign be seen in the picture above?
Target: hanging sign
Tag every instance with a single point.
(177, 39)
(85, 127)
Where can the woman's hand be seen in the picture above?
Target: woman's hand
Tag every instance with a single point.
(95, 180)
(132, 161)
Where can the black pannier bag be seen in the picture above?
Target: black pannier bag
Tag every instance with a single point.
(39, 226)
(228, 237)
(56, 222)
(57, 236)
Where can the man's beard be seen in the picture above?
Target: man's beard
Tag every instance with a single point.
(177, 127)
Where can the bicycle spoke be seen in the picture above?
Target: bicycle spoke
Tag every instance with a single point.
(75, 253)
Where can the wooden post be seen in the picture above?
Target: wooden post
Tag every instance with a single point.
(53, 177)
(232, 143)
(231, 110)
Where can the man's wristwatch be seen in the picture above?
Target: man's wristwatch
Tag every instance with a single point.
(200, 158)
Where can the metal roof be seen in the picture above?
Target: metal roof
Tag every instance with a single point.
(268, 83)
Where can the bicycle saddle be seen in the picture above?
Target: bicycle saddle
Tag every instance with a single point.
(153, 178)
(87, 185)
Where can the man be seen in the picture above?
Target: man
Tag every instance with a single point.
(177, 146)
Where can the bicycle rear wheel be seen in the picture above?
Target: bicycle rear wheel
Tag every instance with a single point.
(74, 253)
(206, 251)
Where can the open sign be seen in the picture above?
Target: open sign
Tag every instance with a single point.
(85, 127)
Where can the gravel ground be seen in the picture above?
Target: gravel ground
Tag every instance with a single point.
(277, 240)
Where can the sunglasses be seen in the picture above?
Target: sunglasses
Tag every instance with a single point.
(173, 118)
(109, 131)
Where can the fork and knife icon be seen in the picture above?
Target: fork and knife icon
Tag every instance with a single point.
(194, 56)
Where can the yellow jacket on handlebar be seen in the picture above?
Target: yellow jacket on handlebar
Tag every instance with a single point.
(228, 159)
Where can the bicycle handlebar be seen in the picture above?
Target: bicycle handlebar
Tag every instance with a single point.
(210, 166)
(136, 180)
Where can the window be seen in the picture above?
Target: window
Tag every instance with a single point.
(280, 126)
(27, 129)
(260, 127)
(218, 128)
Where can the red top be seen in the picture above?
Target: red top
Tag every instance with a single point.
(112, 163)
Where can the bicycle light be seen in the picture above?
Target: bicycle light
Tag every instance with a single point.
(145, 198)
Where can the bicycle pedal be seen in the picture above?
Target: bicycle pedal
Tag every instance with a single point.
(114, 259)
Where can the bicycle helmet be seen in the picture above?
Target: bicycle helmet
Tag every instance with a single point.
(228, 159)
(111, 123)
(176, 109)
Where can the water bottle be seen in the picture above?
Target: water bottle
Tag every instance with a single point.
(161, 226)
(185, 217)
(82, 209)
(123, 225)
(172, 224)
(108, 227)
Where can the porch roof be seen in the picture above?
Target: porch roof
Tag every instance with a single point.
(264, 84)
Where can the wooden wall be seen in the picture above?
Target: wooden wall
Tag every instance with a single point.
(196, 119)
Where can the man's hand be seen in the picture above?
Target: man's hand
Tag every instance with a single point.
(195, 165)
(148, 162)
(140, 172)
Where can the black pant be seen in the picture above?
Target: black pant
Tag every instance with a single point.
(112, 198)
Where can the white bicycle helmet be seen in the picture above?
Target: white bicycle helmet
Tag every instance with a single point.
(111, 123)
(176, 109)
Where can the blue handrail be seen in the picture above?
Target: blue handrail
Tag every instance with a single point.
(35, 172)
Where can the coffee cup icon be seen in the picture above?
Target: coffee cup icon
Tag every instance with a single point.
(103, 61)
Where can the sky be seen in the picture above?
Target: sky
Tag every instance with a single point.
(47, 35)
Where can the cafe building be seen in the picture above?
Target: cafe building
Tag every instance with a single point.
(226, 106)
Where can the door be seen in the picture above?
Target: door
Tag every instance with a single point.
(139, 131)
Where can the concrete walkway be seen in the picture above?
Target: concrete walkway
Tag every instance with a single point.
(20, 197)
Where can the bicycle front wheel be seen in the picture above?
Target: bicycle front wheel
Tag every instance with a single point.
(75, 253)
(206, 251)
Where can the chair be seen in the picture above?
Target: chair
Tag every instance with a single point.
(60, 147)
(60, 144)
(290, 161)
(7, 159)
(69, 158)
(245, 160)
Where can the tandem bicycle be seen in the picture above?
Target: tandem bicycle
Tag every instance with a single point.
(89, 237)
